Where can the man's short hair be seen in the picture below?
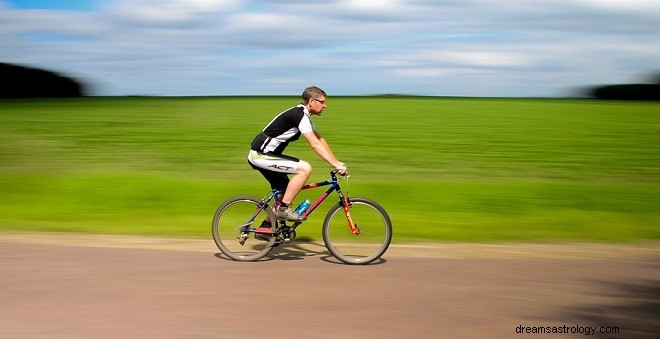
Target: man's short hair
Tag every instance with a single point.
(312, 92)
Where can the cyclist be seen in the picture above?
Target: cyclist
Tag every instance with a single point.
(267, 148)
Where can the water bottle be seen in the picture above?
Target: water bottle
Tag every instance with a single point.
(302, 207)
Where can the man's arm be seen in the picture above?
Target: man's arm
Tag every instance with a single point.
(321, 147)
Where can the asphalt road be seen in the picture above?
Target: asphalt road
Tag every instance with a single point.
(81, 286)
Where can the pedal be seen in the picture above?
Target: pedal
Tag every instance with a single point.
(242, 238)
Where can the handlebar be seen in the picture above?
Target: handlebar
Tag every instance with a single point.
(333, 173)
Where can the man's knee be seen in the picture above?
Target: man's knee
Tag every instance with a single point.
(304, 168)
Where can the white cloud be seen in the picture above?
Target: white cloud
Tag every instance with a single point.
(371, 5)
(483, 58)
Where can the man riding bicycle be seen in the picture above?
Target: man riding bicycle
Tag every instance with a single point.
(267, 148)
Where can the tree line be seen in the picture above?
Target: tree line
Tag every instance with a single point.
(26, 82)
(649, 91)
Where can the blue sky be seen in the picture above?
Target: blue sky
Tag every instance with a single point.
(348, 47)
(54, 4)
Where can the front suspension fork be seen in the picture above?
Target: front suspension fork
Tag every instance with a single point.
(346, 205)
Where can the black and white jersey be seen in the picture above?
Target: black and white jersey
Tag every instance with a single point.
(284, 128)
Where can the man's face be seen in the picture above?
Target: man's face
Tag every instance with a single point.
(317, 105)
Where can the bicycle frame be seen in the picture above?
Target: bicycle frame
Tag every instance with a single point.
(334, 186)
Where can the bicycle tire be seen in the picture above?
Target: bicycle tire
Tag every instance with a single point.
(368, 246)
(228, 225)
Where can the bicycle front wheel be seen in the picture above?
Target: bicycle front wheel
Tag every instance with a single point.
(233, 228)
(367, 246)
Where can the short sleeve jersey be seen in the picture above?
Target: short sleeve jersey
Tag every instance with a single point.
(284, 128)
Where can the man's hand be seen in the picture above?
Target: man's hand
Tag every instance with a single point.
(341, 168)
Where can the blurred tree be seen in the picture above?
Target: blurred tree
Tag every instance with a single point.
(650, 92)
(24, 82)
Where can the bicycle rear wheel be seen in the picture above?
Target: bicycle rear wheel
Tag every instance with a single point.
(233, 229)
(375, 232)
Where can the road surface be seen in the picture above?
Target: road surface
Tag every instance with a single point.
(92, 286)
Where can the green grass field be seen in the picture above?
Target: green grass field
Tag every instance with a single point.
(446, 169)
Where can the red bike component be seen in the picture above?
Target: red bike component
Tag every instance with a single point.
(353, 226)
(263, 230)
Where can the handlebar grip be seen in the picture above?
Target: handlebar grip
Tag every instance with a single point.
(333, 172)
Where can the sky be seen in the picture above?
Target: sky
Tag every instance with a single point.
(504, 48)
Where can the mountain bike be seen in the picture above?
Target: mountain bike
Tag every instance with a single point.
(355, 230)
